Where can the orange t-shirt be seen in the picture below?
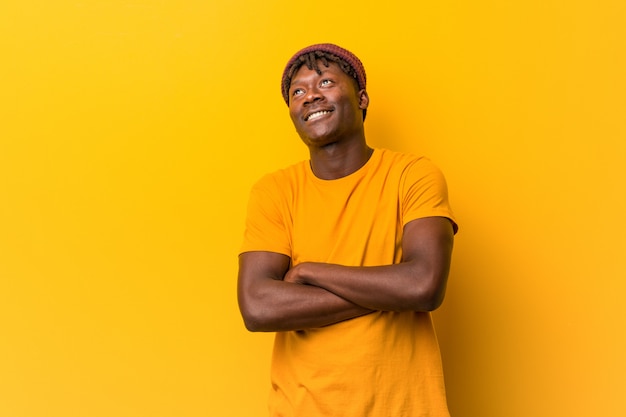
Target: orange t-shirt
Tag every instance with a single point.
(378, 365)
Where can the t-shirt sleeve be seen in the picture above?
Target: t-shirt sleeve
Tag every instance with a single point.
(425, 193)
(265, 226)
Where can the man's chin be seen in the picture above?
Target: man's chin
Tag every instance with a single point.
(319, 141)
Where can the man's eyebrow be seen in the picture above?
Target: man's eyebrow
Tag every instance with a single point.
(322, 72)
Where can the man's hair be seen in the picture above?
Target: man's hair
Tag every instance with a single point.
(310, 60)
(325, 53)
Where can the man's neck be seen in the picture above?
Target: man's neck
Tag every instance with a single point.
(338, 160)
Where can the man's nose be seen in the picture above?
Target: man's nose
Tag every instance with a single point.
(313, 94)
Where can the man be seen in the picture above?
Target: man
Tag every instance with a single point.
(344, 256)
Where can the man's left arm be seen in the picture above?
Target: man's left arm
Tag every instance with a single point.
(417, 283)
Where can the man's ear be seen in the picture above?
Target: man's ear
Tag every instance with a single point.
(364, 100)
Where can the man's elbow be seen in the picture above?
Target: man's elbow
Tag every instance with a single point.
(429, 297)
(252, 325)
(432, 302)
(251, 309)
(255, 319)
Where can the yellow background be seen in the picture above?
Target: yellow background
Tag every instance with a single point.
(131, 132)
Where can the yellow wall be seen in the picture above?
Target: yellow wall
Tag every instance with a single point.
(131, 131)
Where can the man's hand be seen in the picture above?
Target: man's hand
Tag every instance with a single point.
(297, 274)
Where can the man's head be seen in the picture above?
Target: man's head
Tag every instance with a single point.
(324, 53)
(326, 96)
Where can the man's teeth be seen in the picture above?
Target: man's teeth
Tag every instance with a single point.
(317, 114)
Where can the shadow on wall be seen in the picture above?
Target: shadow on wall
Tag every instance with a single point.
(475, 329)
(386, 125)
(474, 335)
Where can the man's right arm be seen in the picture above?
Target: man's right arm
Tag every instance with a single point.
(269, 304)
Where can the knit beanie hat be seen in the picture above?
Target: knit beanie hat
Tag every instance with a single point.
(338, 51)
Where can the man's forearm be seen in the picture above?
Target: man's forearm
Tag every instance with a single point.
(417, 283)
(400, 287)
(281, 306)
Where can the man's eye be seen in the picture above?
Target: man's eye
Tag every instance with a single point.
(326, 82)
(298, 91)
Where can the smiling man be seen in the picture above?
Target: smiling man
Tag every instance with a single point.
(344, 257)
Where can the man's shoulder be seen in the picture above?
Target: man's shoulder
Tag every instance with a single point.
(282, 177)
(401, 160)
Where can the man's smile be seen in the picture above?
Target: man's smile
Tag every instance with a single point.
(316, 115)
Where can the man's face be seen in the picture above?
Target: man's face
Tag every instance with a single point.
(326, 108)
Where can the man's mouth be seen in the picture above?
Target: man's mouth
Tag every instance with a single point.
(316, 115)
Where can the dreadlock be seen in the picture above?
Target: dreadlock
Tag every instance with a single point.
(310, 60)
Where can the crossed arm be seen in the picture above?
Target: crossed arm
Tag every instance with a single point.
(273, 297)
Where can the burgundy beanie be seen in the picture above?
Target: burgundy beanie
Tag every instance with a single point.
(338, 51)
